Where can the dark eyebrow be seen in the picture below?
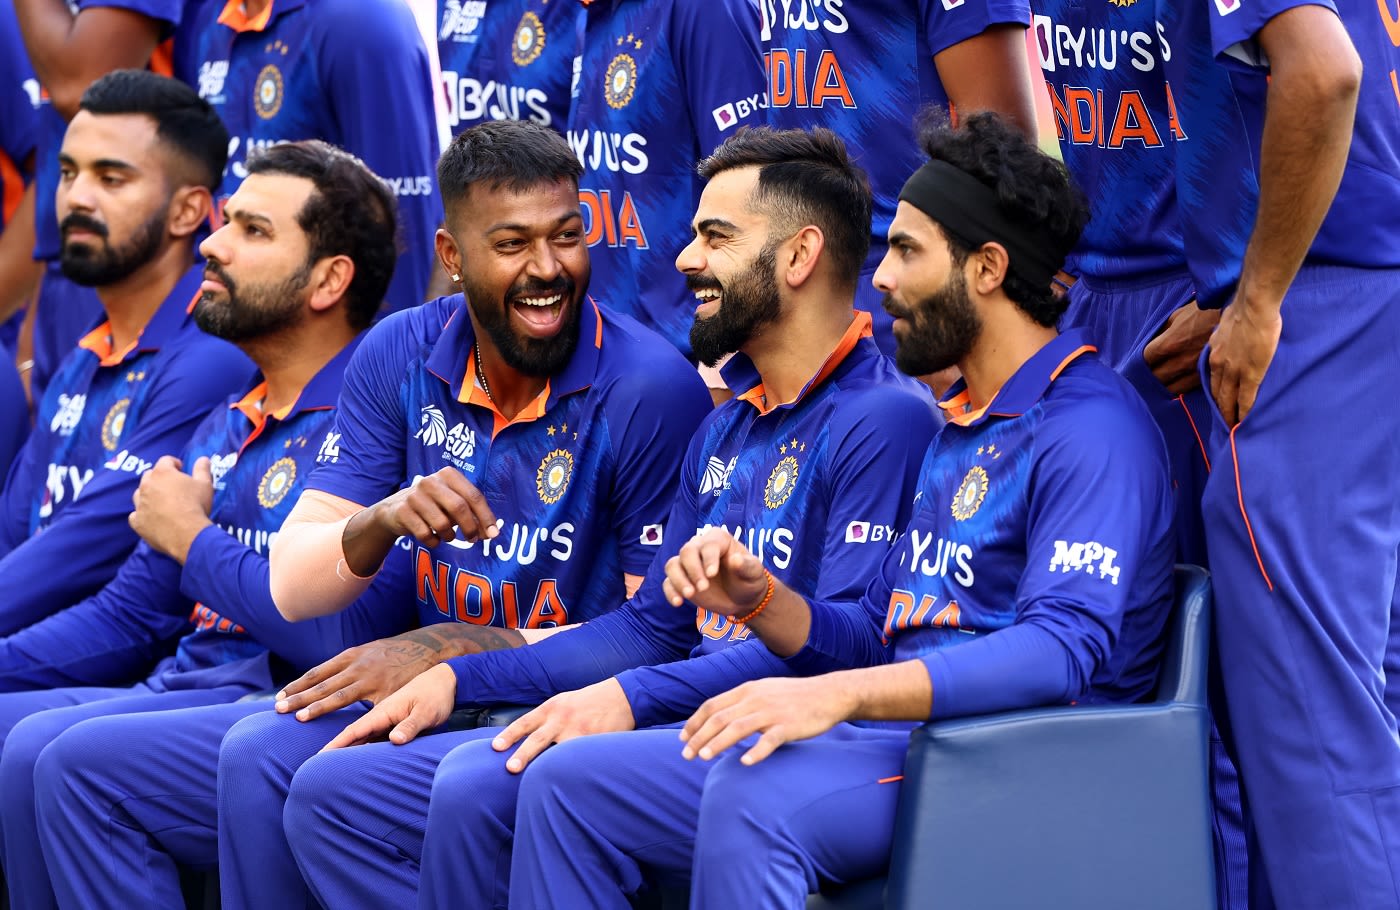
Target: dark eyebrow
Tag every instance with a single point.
(525, 228)
(902, 237)
(113, 164)
(244, 216)
(710, 224)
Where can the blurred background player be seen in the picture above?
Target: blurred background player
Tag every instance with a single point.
(352, 72)
(508, 59)
(19, 99)
(69, 47)
(538, 434)
(864, 69)
(292, 278)
(136, 169)
(660, 84)
(1290, 226)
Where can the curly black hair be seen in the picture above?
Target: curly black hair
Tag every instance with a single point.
(1031, 187)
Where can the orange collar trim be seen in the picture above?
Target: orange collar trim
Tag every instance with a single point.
(859, 328)
(99, 342)
(237, 19)
(475, 394)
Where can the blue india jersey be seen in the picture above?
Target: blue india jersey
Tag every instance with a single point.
(19, 105)
(580, 481)
(1042, 530)
(105, 418)
(660, 84)
(507, 59)
(352, 72)
(1115, 117)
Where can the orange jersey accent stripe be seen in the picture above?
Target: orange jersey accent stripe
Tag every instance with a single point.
(99, 342)
(1073, 355)
(1205, 456)
(1248, 526)
(859, 328)
(235, 18)
(890, 780)
(474, 394)
(11, 187)
(163, 59)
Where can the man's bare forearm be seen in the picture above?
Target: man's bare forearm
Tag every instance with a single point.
(365, 543)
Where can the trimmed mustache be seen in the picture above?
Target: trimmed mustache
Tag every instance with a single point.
(214, 272)
(703, 283)
(79, 221)
(534, 287)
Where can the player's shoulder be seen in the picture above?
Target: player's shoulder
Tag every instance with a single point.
(354, 23)
(632, 352)
(193, 354)
(1090, 407)
(402, 338)
(869, 389)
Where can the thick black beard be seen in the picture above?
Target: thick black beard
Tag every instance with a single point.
(750, 302)
(105, 265)
(529, 356)
(940, 329)
(253, 312)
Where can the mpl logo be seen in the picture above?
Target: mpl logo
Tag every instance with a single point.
(460, 19)
(951, 5)
(651, 536)
(212, 74)
(1085, 556)
(1226, 7)
(330, 449)
(70, 411)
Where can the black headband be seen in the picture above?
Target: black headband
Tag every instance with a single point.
(967, 208)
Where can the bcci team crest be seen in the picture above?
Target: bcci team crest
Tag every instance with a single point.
(970, 494)
(276, 482)
(552, 478)
(114, 423)
(267, 93)
(620, 81)
(780, 482)
(529, 40)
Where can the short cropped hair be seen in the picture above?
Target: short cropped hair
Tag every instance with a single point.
(805, 177)
(514, 154)
(1031, 188)
(351, 213)
(185, 122)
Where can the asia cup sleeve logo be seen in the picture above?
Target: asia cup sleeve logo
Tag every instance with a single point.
(716, 477)
(971, 492)
(552, 477)
(432, 426)
(274, 485)
(114, 423)
(529, 40)
(70, 411)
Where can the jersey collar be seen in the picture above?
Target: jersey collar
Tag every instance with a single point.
(1026, 387)
(743, 379)
(234, 17)
(320, 394)
(164, 324)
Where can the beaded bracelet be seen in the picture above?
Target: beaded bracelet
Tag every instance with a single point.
(767, 596)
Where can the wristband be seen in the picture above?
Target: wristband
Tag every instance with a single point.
(762, 604)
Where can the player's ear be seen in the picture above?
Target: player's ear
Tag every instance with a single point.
(189, 210)
(989, 267)
(798, 257)
(449, 255)
(330, 281)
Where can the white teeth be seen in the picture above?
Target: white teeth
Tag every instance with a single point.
(541, 301)
(707, 294)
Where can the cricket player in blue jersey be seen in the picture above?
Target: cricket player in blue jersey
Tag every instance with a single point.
(1130, 290)
(352, 72)
(1290, 227)
(660, 83)
(863, 69)
(137, 166)
(71, 45)
(294, 298)
(800, 464)
(19, 104)
(568, 435)
(507, 59)
(1021, 579)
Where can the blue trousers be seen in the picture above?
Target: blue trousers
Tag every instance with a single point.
(1303, 526)
(353, 818)
(599, 815)
(33, 765)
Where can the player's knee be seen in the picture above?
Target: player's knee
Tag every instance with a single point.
(26, 741)
(472, 781)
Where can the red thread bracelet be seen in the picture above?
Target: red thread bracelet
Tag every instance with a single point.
(767, 596)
